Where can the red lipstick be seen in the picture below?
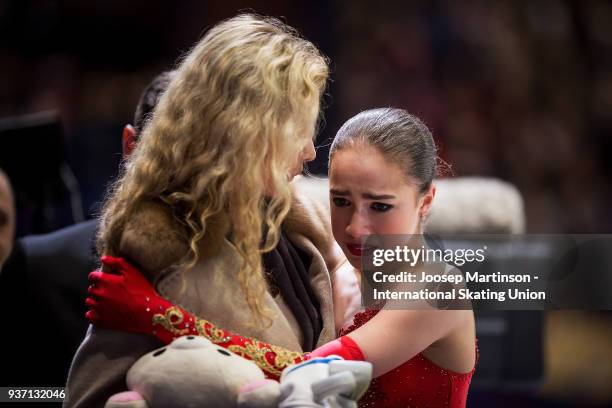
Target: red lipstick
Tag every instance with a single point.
(356, 249)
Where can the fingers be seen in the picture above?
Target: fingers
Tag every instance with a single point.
(93, 291)
(118, 264)
(93, 314)
(98, 277)
(124, 269)
(94, 277)
(111, 261)
(91, 303)
(93, 317)
(101, 284)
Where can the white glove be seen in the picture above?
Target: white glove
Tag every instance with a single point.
(348, 381)
(324, 382)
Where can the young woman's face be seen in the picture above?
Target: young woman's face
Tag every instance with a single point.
(370, 196)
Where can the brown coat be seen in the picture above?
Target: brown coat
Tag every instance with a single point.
(210, 290)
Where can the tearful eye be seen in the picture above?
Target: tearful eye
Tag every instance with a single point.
(225, 353)
(340, 202)
(381, 207)
(159, 352)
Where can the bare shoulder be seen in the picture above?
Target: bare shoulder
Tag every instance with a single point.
(153, 239)
(457, 350)
(438, 326)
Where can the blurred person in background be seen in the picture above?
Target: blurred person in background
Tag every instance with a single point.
(46, 276)
(7, 218)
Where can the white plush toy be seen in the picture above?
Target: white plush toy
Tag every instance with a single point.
(193, 372)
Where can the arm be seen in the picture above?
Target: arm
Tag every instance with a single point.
(393, 328)
(128, 302)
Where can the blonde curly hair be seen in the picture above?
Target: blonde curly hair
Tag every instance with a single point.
(239, 109)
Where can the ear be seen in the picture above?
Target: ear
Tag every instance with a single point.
(427, 201)
(128, 141)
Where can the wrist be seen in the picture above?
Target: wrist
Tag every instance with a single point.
(344, 347)
(169, 321)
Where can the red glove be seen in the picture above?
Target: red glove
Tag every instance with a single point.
(126, 301)
(344, 347)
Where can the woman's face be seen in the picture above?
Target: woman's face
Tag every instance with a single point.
(306, 154)
(296, 165)
(305, 139)
(370, 196)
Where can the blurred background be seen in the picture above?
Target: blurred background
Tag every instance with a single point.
(519, 90)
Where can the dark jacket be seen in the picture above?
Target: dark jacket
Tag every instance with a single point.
(42, 291)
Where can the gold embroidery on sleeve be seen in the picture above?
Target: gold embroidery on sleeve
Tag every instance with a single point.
(171, 320)
(250, 348)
